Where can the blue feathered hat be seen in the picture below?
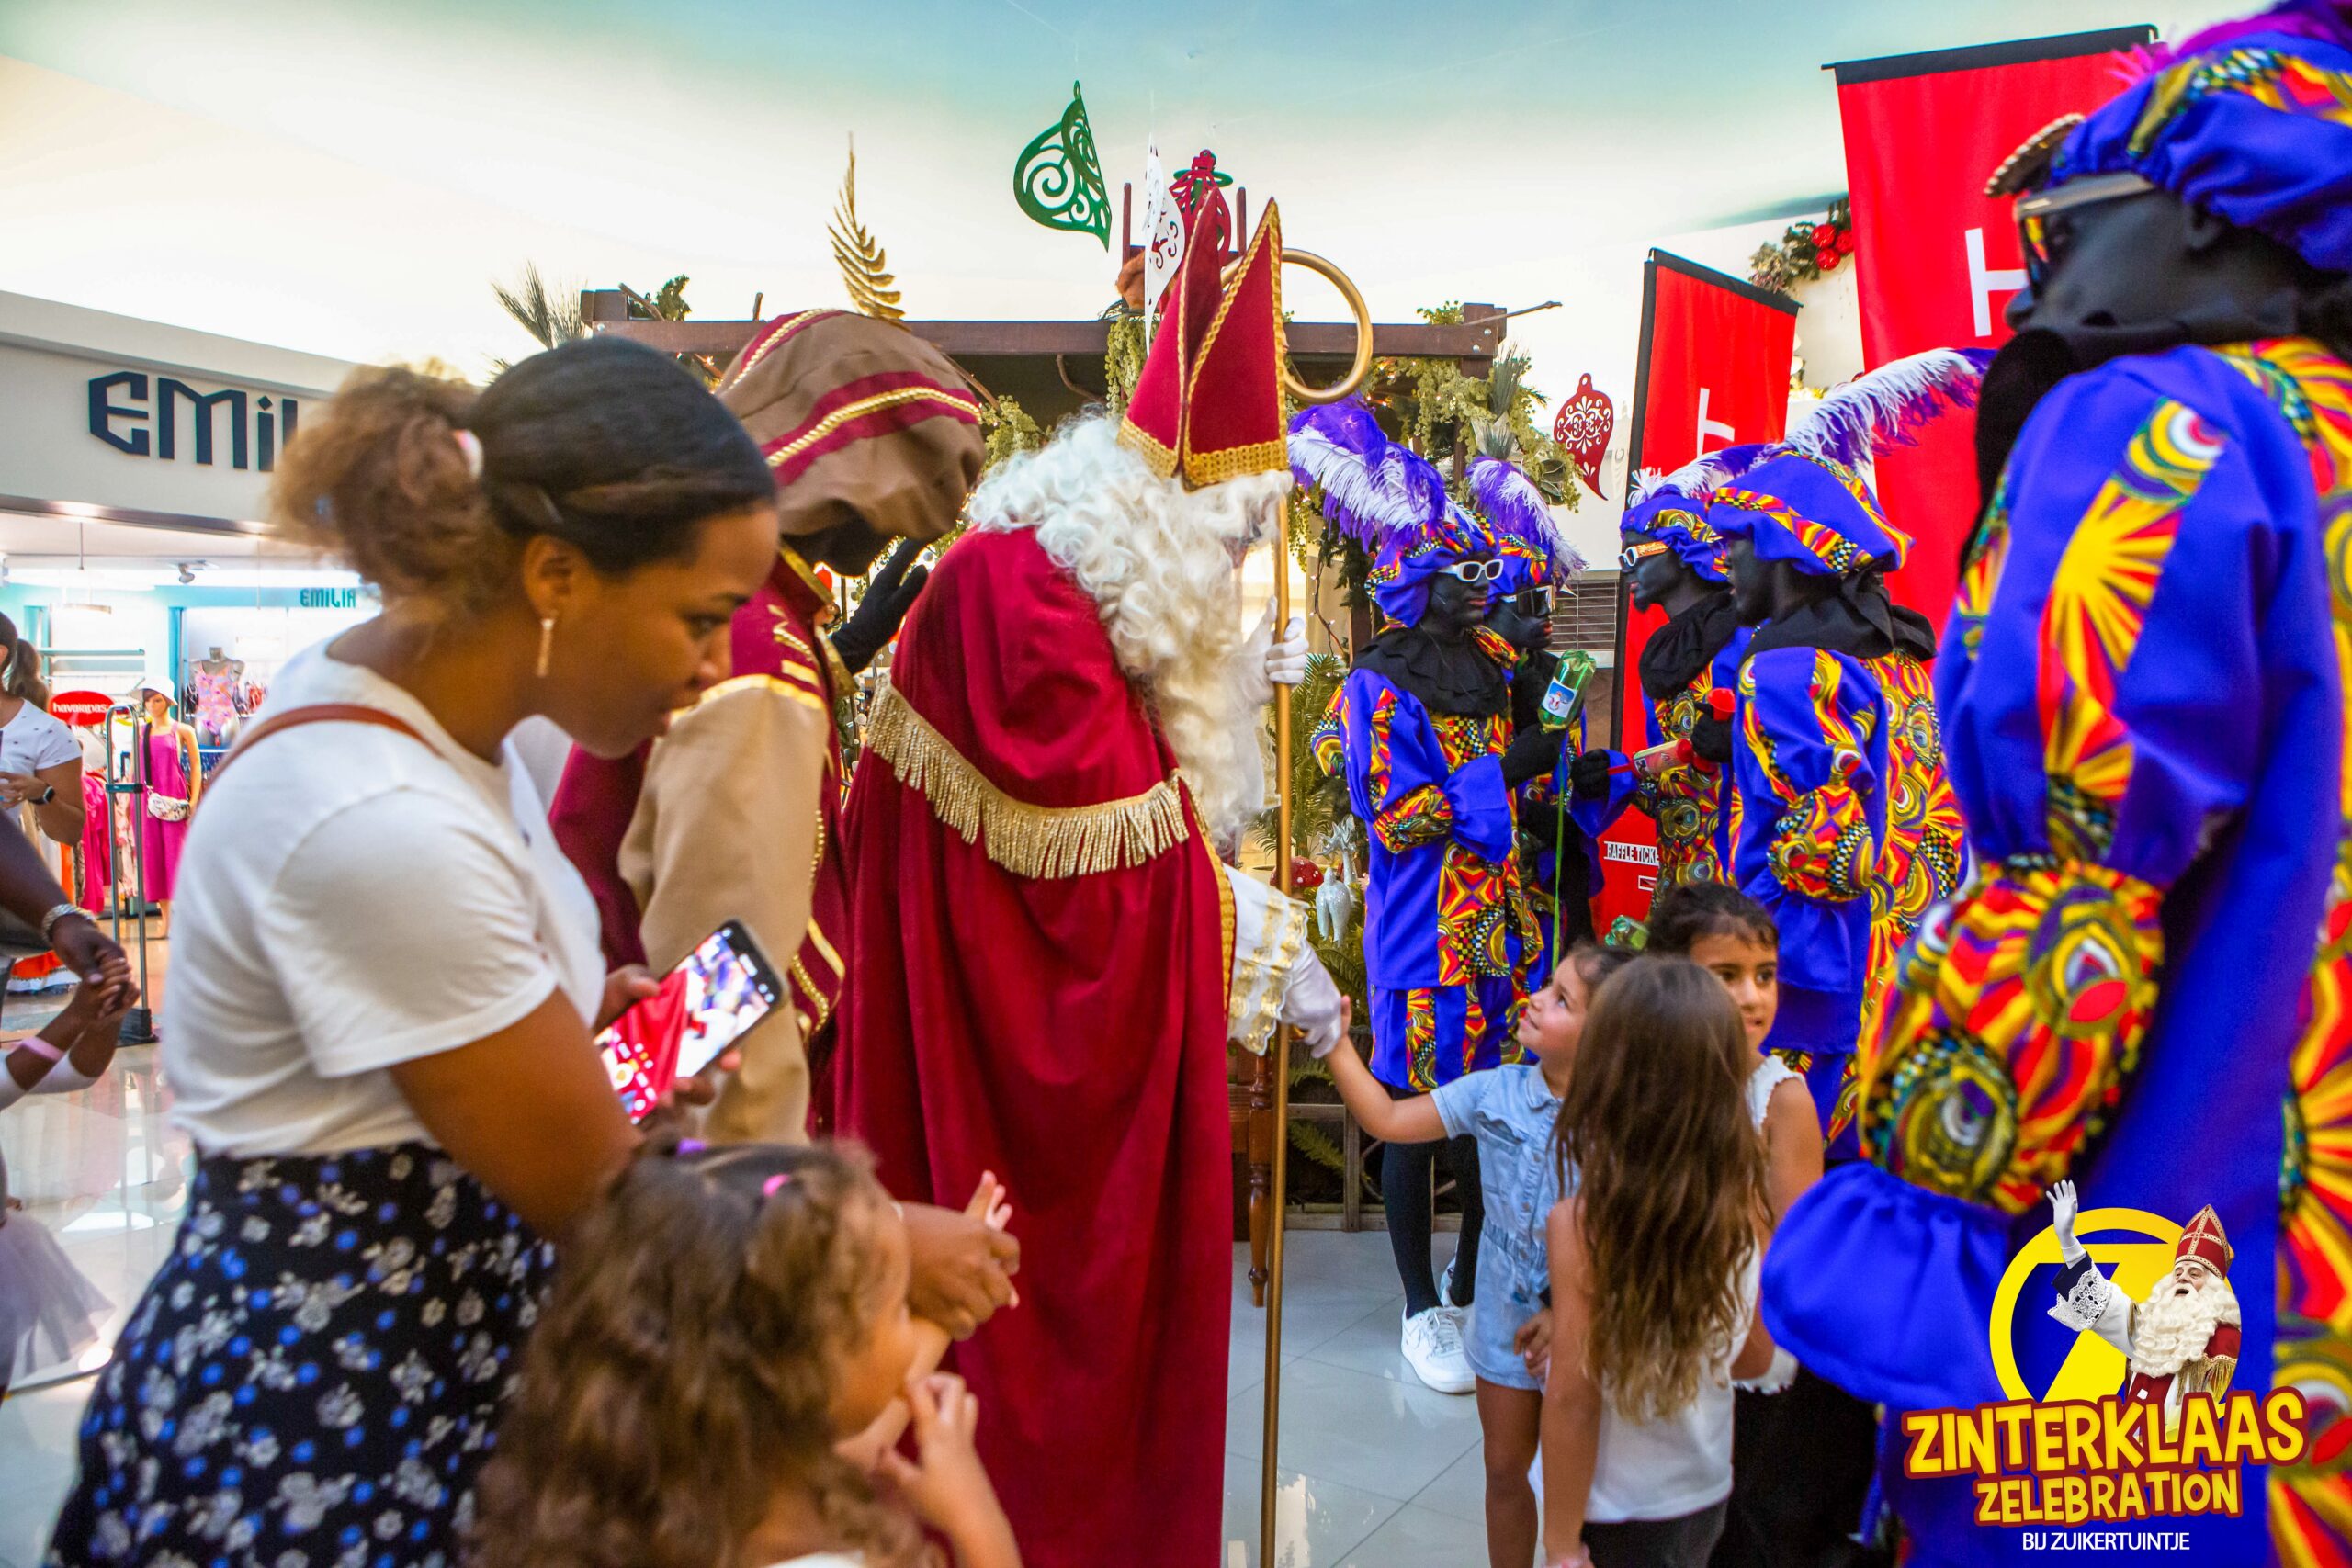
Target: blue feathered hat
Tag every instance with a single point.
(1392, 502)
(1802, 498)
(2250, 120)
(1815, 513)
(1671, 509)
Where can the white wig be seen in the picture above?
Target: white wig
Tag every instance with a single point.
(1159, 562)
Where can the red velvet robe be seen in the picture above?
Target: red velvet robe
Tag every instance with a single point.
(1063, 1031)
(2146, 1388)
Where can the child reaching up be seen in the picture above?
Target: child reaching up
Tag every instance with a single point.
(1510, 1111)
(1655, 1259)
(724, 1321)
(1732, 936)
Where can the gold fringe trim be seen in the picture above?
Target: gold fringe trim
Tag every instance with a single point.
(1034, 841)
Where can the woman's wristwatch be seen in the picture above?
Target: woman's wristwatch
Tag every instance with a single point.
(48, 794)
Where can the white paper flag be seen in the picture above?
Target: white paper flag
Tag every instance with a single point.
(1163, 231)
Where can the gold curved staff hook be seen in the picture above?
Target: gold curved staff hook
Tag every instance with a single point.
(1360, 367)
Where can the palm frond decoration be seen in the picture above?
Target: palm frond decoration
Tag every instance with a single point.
(864, 267)
(551, 317)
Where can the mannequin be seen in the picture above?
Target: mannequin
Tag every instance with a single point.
(2174, 424)
(174, 779)
(218, 681)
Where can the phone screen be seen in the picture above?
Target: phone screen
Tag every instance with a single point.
(722, 989)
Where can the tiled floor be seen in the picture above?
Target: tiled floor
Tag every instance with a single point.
(1377, 1470)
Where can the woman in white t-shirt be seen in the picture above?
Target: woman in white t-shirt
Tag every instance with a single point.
(1654, 1274)
(385, 973)
(40, 762)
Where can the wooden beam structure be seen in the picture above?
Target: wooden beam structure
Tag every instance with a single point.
(1476, 342)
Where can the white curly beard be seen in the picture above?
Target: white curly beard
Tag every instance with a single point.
(2170, 1329)
(1159, 562)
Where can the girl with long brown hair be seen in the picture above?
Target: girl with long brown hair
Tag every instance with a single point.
(725, 1318)
(1654, 1255)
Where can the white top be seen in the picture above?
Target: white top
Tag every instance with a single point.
(1662, 1470)
(1771, 1073)
(350, 899)
(35, 740)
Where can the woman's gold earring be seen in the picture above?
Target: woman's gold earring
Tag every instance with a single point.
(547, 643)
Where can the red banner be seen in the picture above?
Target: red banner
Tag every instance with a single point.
(1939, 259)
(87, 709)
(1713, 372)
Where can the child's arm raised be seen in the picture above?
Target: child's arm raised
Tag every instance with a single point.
(1413, 1120)
(1571, 1427)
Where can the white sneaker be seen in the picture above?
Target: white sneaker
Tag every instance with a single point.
(1433, 1345)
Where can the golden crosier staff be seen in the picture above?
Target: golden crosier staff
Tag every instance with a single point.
(1280, 1046)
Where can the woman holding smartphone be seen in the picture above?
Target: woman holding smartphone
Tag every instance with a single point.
(387, 975)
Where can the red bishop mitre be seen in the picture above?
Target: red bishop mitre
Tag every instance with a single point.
(1208, 404)
(2203, 1241)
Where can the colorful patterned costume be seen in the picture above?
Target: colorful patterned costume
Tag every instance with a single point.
(1696, 653)
(1813, 772)
(2144, 691)
(1450, 940)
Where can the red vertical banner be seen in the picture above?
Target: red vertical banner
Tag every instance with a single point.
(1713, 372)
(1938, 259)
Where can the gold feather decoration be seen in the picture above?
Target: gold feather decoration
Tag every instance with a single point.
(864, 269)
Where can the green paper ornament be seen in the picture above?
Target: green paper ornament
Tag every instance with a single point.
(1058, 179)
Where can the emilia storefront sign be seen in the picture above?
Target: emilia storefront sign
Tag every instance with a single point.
(108, 418)
(121, 416)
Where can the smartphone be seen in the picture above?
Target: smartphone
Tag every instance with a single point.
(721, 988)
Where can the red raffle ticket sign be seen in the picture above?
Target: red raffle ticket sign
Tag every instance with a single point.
(1938, 259)
(1713, 372)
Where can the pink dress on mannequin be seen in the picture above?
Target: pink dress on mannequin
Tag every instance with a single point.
(166, 774)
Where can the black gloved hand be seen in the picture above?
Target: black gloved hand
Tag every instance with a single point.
(877, 617)
(1533, 752)
(1711, 739)
(1589, 776)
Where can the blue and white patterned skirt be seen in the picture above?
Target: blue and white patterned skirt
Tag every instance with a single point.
(314, 1378)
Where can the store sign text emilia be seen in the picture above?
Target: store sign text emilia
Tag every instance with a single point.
(125, 416)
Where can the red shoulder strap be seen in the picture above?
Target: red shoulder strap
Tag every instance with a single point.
(318, 712)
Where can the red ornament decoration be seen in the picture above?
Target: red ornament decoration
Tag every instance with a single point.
(1582, 429)
(1305, 877)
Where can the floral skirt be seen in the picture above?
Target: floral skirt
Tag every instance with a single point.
(314, 1377)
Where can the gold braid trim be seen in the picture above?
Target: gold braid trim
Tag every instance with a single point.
(1036, 841)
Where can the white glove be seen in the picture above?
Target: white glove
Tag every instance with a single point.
(1286, 656)
(1265, 661)
(2064, 1207)
(1313, 1004)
